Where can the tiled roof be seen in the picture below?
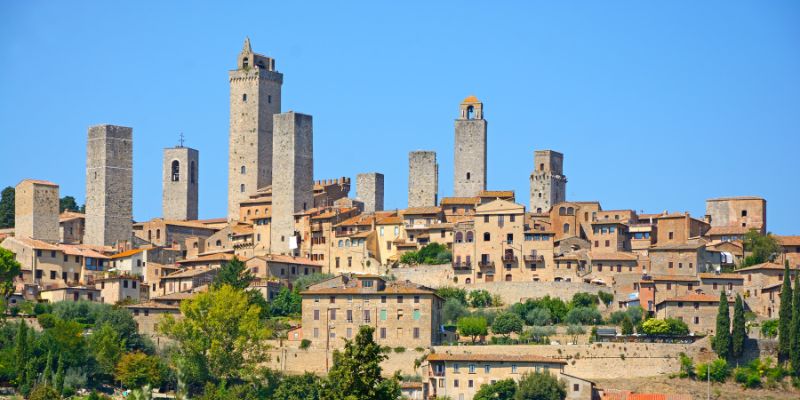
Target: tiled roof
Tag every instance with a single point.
(390, 220)
(496, 193)
(39, 182)
(728, 230)
(677, 246)
(613, 256)
(358, 220)
(153, 306)
(766, 265)
(788, 240)
(188, 273)
(70, 215)
(421, 210)
(126, 253)
(721, 276)
(471, 99)
(289, 260)
(700, 297)
(449, 201)
(82, 250)
(210, 257)
(34, 244)
(675, 278)
(391, 288)
(494, 357)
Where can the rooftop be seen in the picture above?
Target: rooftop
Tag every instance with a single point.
(494, 358)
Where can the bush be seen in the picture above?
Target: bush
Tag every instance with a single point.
(583, 316)
(605, 297)
(669, 326)
(448, 292)
(453, 310)
(480, 298)
(305, 344)
(434, 254)
(687, 366)
(583, 299)
(717, 370)
(677, 327)
(399, 349)
(538, 317)
(769, 328)
(634, 313)
(44, 392)
(507, 323)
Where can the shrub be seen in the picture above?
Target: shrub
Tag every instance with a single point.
(687, 366)
(634, 313)
(583, 299)
(769, 328)
(717, 370)
(480, 298)
(399, 349)
(448, 292)
(453, 310)
(677, 327)
(583, 316)
(538, 317)
(605, 297)
(305, 344)
(507, 323)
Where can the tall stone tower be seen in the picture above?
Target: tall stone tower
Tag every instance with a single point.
(548, 183)
(109, 185)
(255, 99)
(369, 189)
(423, 179)
(470, 149)
(36, 210)
(292, 178)
(180, 183)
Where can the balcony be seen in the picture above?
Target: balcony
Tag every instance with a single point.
(486, 264)
(509, 258)
(533, 258)
(462, 265)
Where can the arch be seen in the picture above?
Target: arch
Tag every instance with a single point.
(176, 170)
(538, 210)
(347, 243)
(149, 235)
(219, 243)
(468, 281)
(566, 228)
(194, 245)
(508, 278)
(487, 236)
(570, 211)
(245, 63)
(470, 112)
(562, 211)
(459, 237)
(470, 237)
(243, 170)
(158, 234)
(192, 172)
(341, 243)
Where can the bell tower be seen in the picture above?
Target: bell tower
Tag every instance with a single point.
(470, 149)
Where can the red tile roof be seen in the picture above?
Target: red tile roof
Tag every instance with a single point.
(495, 358)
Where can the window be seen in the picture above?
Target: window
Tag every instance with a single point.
(671, 235)
(470, 383)
(349, 315)
(383, 299)
(416, 299)
(241, 188)
(192, 172)
(680, 265)
(468, 175)
(416, 333)
(349, 332)
(696, 320)
(383, 315)
(486, 219)
(670, 264)
(383, 333)
(455, 383)
(316, 315)
(487, 368)
(566, 228)
(576, 387)
(399, 299)
(316, 332)
(487, 236)
(176, 171)
(472, 368)
(331, 299)
(416, 314)
(744, 213)
(332, 313)
(52, 274)
(456, 368)
(243, 170)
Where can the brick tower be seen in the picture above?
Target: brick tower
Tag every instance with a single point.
(255, 99)
(548, 183)
(109, 185)
(180, 183)
(470, 149)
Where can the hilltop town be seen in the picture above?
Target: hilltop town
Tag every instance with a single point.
(462, 292)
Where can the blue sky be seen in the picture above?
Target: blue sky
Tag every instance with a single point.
(656, 105)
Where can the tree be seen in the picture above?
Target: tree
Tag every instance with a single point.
(356, 371)
(44, 392)
(233, 273)
(220, 336)
(677, 327)
(507, 323)
(583, 299)
(472, 327)
(794, 346)
(769, 328)
(453, 310)
(627, 326)
(67, 203)
(655, 327)
(480, 298)
(59, 379)
(47, 374)
(449, 292)
(9, 270)
(539, 316)
(107, 348)
(298, 387)
(286, 303)
(540, 386)
(722, 337)
(7, 208)
(584, 316)
(605, 297)
(575, 331)
(137, 369)
(785, 316)
(739, 333)
(500, 390)
(762, 248)
(21, 351)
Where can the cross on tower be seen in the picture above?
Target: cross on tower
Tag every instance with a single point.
(180, 140)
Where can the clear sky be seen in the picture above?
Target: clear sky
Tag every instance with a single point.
(656, 105)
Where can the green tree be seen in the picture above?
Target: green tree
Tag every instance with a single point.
(539, 316)
(584, 316)
(220, 336)
(761, 248)
(472, 327)
(722, 336)
(59, 379)
(9, 269)
(540, 386)
(137, 369)
(717, 370)
(605, 297)
(785, 316)
(480, 298)
(286, 303)
(655, 327)
(453, 310)
(677, 327)
(507, 323)
(7, 208)
(107, 348)
(67, 203)
(356, 371)
(44, 392)
(302, 283)
(583, 299)
(47, 374)
(739, 333)
(449, 292)
(794, 346)
(500, 390)
(21, 351)
(233, 273)
(298, 387)
(627, 326)
(769, 328)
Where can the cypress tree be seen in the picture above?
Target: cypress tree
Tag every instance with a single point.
(47, 375)
(739, 331)
(794, 347)
(21, 351)
(785, 316)
(59, 380)
(722, 340)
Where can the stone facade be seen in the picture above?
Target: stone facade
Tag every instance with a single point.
(292, 180)
(548, 183)
(36, 210)
(180, 182)
(740, 212)
(255, 97)
(423, 179)
(369, 189)
(470, 149)
(109, 185)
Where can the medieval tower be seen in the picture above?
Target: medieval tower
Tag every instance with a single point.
(255, 99)
(36, 210)
(423, 179)
(369, 189)
(548, 183)
(292, 178)
(109, 185)
(180, 183)
(470, 149)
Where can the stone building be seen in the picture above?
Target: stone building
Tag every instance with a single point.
(180, 182)
(369, 189)
(292, 180)
(403, 313)
(470, 149)
(548, 183)
(285, 269)
(109, 185)
(255, 97)
(423, 179)
(697, 310)
(36, 210)
(742, 212)
(114, 289)
(71, 226)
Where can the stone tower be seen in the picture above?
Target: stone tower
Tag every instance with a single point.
(470, 149)
(180, 183)
(36, 210)
(369, 189)
(109, 185)
(423, 179)
(548, 183)
(255, 99)
(292, 178)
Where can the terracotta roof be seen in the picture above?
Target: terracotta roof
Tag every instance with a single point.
(153, 305)
(39, 182)
(222, 256)
(289, 260)
(187, 273)
(720, 276)
(700, 297)
(613, 256)
(82, 250)
(496, 193)
(470, 100)
(459, 201)
(70, 215)
(178, 296)
(728, 230)
(126, 253)
(390, 220)
(82, 287)
(358, 220)
(410, 385)
(675, 278)
(766, 265)
(788, 240)
(677, 246)
(391, 288)
(34, 244)
(242, 230)
(421, 210)
(495, 358)
(118, 277)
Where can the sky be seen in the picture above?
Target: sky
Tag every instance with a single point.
(655, 105)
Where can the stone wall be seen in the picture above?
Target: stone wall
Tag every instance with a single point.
(109, 185)
(179, 197)
(469, 168)
(36, 210)
(548, 183)
(423, 179)
(369, 189)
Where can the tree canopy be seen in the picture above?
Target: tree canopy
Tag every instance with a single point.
(500, 390)
(760, 248)
(540, 386)
(7, 208)
(472, 327)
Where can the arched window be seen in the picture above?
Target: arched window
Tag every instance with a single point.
(470, 111)
(176, 171)
(468, 281)
(347, 243)
(566, 228)
(243, 170)
(562, 211)
(219, 243)
(538, 210)
(149, 235)
(508, 277)
(541, 167)
(459, 237)
(245, 63)
(470, 237)
(194, 245)
(341, 243)
(487, 236)
(158, 234)
(192, 172)
(570, 211)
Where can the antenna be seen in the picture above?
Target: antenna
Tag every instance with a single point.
(180, 140)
